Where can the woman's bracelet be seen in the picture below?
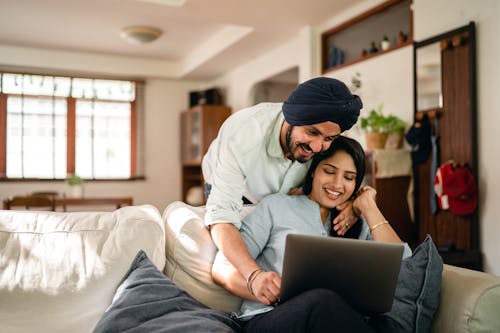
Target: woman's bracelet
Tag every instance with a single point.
(378, 225)
(252, 277)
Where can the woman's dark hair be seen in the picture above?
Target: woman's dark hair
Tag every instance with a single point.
(354, 149)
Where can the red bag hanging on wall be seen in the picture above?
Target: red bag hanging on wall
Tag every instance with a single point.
(456, 188)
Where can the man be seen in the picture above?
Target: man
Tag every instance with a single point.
(266, 149)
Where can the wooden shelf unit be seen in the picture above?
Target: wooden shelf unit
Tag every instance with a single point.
(199, 127)
(386, 19)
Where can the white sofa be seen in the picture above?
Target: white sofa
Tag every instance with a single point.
(59, 271)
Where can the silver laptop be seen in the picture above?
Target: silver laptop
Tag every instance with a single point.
(364, 273)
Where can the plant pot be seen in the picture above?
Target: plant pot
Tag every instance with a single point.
(402, 37)
(375, 140)
(385, 45)
(77, 191)
(394, 140)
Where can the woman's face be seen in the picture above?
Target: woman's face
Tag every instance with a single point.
(334, 180)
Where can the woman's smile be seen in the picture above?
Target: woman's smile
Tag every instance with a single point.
(332, 194)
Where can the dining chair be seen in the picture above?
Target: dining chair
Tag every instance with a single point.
(39, 202)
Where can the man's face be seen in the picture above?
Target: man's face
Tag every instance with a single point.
(302, 142)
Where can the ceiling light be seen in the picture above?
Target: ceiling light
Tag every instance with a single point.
(140, 34)
(173, 3)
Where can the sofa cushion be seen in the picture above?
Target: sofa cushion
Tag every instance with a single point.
(148, 301)
(417, 293)
(190, 255)
(59, 271)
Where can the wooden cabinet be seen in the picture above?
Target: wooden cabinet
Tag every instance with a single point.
(199, 126)
(343, 45)
(390, 173)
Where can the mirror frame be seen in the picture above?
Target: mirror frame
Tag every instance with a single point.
(472, 84)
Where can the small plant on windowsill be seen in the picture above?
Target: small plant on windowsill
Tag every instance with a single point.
(76, 184)
(383, 131)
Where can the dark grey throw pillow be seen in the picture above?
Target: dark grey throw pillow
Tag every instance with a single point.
(417, 292)
(148, 301)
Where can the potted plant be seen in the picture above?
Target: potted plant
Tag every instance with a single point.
(395, 129)
(402, 37)
(76, 184)
(385, 44)
(378, 127)
(373, 48)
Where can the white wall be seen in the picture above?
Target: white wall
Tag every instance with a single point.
(434, 17)
(240, 83)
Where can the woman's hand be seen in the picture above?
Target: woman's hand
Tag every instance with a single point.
(266, 287)
(366, 199)
(380, 228)
(346, 218)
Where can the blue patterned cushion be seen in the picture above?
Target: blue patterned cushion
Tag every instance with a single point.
(148, 301)
(417, 292)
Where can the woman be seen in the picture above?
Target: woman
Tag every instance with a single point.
(334, 178)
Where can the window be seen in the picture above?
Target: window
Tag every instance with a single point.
(52, 127)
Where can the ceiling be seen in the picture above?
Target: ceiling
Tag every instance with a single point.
(204, 37)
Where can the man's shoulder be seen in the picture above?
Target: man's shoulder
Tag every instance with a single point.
(255, 117)
(249, 128)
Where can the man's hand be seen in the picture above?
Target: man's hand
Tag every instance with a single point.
(266, 287)
(295, 191)
(346, 218)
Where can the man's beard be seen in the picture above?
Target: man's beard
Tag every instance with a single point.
(289, 147)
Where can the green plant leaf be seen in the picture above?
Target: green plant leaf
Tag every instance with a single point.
(74, 180)
(379, 123)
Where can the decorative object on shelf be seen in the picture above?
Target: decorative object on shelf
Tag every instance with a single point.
(378, 127)
(385, 44)
(76, 184)
(373, 48)
(212, 96)
(336, 57)
(356, 83)
(402, 37)
(364, 53)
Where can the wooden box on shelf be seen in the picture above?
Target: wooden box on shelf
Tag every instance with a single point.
(199, 126)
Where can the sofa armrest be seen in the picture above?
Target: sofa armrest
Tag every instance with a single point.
(469, 302)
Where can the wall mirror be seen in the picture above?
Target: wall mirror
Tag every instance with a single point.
(445, 90)
(428, 74)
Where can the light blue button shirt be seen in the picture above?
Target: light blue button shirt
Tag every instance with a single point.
(246, 159)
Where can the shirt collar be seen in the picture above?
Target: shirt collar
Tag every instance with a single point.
(273, 141)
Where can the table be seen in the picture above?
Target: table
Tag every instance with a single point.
(93, 201)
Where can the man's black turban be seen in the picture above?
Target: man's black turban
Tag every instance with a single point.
(322, 99)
